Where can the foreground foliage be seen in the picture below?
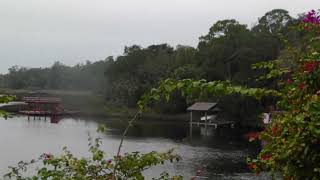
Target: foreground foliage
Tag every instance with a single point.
(98, 166)
(5, 99)
(293, 138)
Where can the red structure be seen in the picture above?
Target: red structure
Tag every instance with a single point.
(43, 106)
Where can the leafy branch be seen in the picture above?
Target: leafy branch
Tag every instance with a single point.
(191, 89)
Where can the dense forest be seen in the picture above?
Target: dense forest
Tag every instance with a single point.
(87, 76)
(226, 52)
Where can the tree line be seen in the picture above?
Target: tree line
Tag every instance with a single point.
(226, 52)
(87, 76)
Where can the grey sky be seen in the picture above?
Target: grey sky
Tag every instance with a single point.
(35, 33)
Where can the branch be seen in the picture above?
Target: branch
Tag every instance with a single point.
(122, 140)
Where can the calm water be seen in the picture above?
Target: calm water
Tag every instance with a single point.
(221, 157)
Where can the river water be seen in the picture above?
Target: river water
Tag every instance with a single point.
(221, 156)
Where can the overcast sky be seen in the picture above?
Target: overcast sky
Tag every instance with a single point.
(35, 33)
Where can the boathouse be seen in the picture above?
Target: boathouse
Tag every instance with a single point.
(43, 106)
(209, 111)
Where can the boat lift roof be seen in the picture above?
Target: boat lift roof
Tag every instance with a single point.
(203, 106)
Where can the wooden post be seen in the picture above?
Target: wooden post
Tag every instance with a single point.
(205, 123)
(190, 123)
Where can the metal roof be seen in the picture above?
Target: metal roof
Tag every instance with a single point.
(202, 106)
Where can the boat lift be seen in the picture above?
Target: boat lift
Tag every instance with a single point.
(209, 119)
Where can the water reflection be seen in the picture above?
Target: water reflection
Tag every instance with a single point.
(55, 119)
(220, 156)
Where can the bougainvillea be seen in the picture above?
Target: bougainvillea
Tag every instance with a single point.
(312, 17)
(293, 137)
(311, 22)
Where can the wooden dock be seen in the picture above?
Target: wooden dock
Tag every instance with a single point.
(216, 123)
(48, 113)
(45, 106)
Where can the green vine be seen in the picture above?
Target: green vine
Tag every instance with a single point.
(193, 89)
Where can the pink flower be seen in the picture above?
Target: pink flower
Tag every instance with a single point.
(274, 130)
(252, 166)
(310, 66)
(266, 157)
(252, 136)
(312, 17)
(289, 81)
(199, 172)
(47, 156)
(301, 86)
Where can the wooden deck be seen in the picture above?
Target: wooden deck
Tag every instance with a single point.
(215, 123)
(42, 100)
(45, 106)
(48, 113)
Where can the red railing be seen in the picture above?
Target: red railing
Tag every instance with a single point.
(44, 100)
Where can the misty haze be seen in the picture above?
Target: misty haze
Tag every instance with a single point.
(150, 89)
